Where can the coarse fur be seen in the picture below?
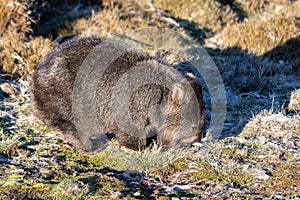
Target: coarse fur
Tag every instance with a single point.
(153, 108)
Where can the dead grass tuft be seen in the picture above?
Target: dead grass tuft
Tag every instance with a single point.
(14, 17)
(209, 15)
(294, 104)
(261, 37)
(254, 7)
(115, 18)
(21, 57)
(273, 135)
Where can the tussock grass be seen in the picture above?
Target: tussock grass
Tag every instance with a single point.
(21, 57)
(116, 18)
(258, 7)
(274, 133)
(209, 15)
(294, 104)
(15, 17)
(19, 53)
(261, 37)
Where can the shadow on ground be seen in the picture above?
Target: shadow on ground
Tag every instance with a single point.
(256, 83)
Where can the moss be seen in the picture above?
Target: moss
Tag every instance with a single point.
(26, 189)
(178, 165)
(24, 108)
(236, 177)
(105, 159)
(205, 171)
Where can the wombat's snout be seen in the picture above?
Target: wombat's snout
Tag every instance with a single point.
(167, 104)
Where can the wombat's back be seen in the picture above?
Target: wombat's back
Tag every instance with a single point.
(52, 83)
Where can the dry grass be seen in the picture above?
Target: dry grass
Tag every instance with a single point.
(272, 134)
(258, 7)
(19, 54)
(116, 18)
(294, 104)
(21, 57)
(209, 15)
(261, 37)
(14, 17)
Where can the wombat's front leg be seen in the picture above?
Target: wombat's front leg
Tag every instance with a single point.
(86, 144)
(70, 137)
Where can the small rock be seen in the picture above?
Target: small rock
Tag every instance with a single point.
(115, 195)
(182, 187)
(261, 175)
(9, 90)
(137, 194)
(262, 156)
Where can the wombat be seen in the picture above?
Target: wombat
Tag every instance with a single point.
(135, 99)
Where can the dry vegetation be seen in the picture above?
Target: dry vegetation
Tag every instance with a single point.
(14, 17)
(20, 54)
(261, 37)
(255, 45)
(210, 16)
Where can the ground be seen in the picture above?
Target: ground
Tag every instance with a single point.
(255, 47)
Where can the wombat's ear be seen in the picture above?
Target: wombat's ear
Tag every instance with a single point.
(178, 93)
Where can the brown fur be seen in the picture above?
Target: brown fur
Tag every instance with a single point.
(53, 82)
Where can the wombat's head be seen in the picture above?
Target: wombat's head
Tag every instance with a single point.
(174, 105)
(181, 119)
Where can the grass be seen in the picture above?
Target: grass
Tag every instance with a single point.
(261, 37)
(294, 104)
(20, 56)
(207, 15)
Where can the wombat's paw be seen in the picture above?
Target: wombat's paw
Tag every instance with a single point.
(72, 139)
(90, 145)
